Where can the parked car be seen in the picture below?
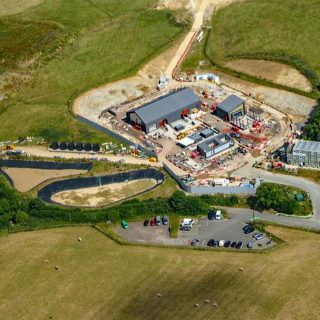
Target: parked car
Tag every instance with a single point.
(187, 222)
(259, 236)
(233, 244)
(212, 215)
(210, 243)
(165, 220)
(215, 243)
(185, 228)
(227, 244)
(158, 220)
(145, 223)
(218, 215)
(239, 245)
(250, 245)
(248, 229)
(124, 224)
(221, 243)
(153, 222)
(195, 242)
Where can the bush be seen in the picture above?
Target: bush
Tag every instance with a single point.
(281, 198)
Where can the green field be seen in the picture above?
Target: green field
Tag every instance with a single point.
(284, 31)
(98, 279)
(70, 47)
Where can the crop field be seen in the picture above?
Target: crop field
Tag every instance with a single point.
(68, 47)
(283, 31)
(98, 279)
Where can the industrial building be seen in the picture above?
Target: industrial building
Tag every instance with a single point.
(215, 145)
(231, 108)
(304, 153)
(164, 110)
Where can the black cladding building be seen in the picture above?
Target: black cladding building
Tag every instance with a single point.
(167, 109)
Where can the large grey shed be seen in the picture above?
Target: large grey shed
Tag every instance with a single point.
(166, 109)
(231, 108)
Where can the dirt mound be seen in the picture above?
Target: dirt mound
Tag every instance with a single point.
(273, 71)
(177, 4)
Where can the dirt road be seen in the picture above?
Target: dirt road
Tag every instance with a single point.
(43, 152)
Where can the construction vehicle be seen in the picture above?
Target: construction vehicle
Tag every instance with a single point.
(7, 147)
(277, 165)
(152, 159)
(182, 135)
(205, 94)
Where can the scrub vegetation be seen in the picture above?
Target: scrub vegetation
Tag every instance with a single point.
(284, 199)
(22, 212)
(56, 50)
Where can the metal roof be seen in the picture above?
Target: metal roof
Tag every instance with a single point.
(160, 108)
(205, 146)
(206, 133)
(307, 146)
(196, 137)
(230, 103)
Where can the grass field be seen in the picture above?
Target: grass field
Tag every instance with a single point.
(8, 7)
(284, 31)
(75, 45)
(98, 279)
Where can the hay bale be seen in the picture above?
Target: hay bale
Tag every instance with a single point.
(159, 295)
(56, 268)
(215, 304)
(241, 269)
(206, 301)
(46, 261)
(79, 239)
(197, 305)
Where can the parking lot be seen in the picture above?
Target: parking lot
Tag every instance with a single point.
(203, 230)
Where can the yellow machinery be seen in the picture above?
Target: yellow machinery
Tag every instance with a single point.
(7, 147)
(182, 135)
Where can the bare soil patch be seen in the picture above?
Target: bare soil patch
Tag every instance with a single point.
(99, 196)
(9, 7)
(25, 179)
(276, 72)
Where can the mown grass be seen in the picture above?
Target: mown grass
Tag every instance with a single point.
(106, 40)
(284, 31)
(97, 275)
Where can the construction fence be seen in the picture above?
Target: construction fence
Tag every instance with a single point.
(245, 190)
(45, 165)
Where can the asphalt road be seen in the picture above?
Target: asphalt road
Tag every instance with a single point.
(246, 214)
(308, 186)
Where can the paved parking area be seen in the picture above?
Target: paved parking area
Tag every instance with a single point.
(230, 229)
(203, 229)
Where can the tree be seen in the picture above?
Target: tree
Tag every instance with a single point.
(21, 217)
(187, 205)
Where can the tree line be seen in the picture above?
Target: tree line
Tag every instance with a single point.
(18, 209)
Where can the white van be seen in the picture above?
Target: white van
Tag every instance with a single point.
(187, 222)
(218, 215)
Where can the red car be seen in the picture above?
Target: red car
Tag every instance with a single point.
(152, 222)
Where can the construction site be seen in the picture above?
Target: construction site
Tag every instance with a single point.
(199, 128)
